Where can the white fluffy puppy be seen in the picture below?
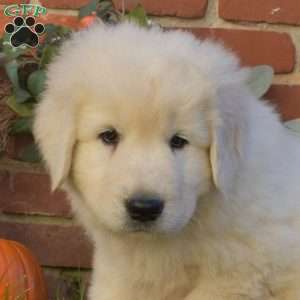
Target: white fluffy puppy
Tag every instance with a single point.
(187, 184)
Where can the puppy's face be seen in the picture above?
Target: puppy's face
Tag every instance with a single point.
(131, 128)
(141, 157)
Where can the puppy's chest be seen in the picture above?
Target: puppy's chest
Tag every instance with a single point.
(172, 285)
(178, 284)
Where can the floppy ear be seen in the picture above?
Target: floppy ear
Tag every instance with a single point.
(229, 136)
(54, 132)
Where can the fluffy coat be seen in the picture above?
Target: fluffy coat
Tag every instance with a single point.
(231, 221)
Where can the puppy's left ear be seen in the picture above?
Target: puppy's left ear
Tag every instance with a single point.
(229, 136)
(54, 132)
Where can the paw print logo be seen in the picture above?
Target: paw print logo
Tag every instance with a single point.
(24, 32)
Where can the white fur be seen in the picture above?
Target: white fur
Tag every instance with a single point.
(230, 228)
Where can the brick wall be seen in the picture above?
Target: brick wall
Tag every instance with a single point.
(261, 32)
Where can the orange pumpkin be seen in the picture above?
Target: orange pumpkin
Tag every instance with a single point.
(20, 274)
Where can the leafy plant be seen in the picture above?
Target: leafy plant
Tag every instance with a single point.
(26, 69)
(294, 126)
(105, 10)
(74, 287)
(260, 80)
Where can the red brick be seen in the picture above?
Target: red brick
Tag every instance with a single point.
(178, 8)
(53, 245)
(255, 47)
(17, 144)
(66, 4)
(286, 99)
(271, 11)
(29, 193)
(69, 21)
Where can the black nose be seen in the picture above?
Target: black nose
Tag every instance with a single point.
(144, 209)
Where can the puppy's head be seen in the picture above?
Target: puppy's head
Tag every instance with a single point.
(130, 119)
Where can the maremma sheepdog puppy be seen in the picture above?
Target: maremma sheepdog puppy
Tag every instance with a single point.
(188, 185)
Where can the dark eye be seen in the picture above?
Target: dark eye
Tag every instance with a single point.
(178, 142)
(109, 137)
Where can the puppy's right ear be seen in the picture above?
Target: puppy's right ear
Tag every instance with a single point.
(54, 132)
(230, 136)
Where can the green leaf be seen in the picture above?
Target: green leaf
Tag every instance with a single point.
(260, 80)
(107, 13)
(36, 82)
(48, 53)
(10, 51)
(105, 5)
(11, 69)
(26, 67)
(138, 15)
(55, 34)
(63, 30)
(88, 9)
(30, 153)
(53, 29)
(21, 125)
(22, 109)
(21, 95)
(294, 125)
(50, 28)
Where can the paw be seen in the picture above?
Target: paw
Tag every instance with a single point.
(24, 32)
